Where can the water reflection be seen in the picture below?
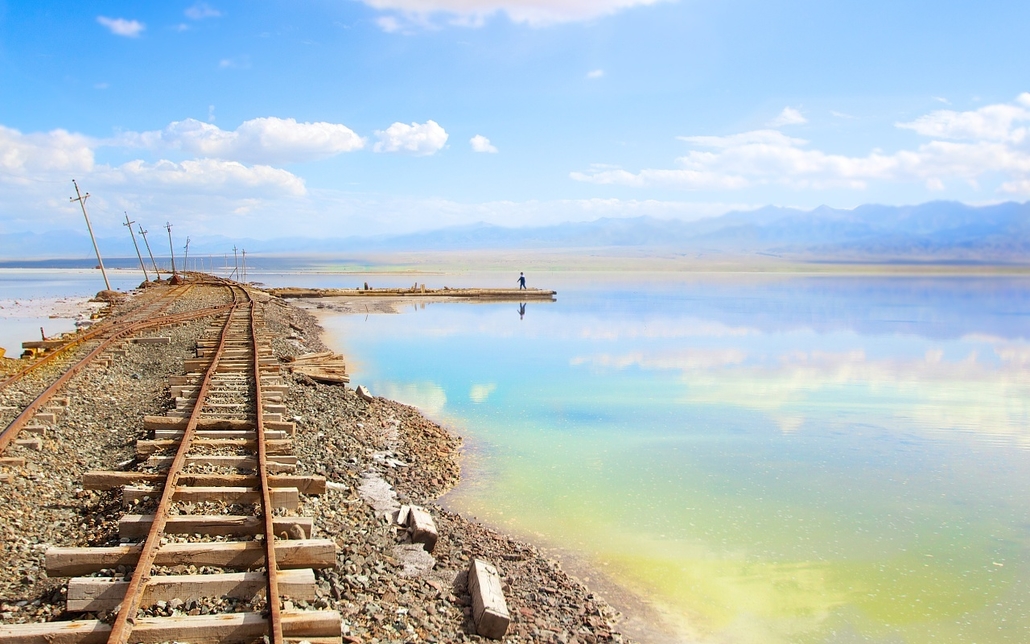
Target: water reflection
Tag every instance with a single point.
(769, 460)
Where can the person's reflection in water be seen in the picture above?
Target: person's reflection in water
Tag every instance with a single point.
(522, 310)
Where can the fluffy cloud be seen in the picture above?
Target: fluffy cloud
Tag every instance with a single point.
(418, 138)
(531, 12)
(26, 156)
(990, 123)
(789, 116)
(261, 140)
(595, 73)
(973, 144)
(204, 176)
(482, 144)
(122, 27)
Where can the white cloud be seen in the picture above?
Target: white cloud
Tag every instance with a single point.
(535, 13)
(205, 176)
(122, 27)
(976, 143)
(202, 10)
(260, 140)
(990, 123)
(595, 73)
(789, 116)
(482, 144)
(418, 138)
(27, 156)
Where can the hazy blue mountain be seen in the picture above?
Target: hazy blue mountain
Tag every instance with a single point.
(936, 231)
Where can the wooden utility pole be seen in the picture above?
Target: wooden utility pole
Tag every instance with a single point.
(82, 202)
(186, 259)
(244, 264)
(236, 261)
(150, 252)
(168, 226)
(129, 224)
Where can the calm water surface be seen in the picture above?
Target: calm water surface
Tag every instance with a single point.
(19, 286)
(768, 459)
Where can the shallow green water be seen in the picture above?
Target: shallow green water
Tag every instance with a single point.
(768, 459)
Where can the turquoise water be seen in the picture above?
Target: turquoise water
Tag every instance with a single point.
(767, 459)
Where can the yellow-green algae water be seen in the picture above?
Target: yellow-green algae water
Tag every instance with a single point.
(788, 459)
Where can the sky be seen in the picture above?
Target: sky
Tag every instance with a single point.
(269, 118)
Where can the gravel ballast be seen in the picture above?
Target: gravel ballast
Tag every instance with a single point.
(386, 588)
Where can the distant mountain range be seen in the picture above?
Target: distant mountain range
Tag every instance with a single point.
(934, 232)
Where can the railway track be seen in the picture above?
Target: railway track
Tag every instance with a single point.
(216, 492)
(95, 344)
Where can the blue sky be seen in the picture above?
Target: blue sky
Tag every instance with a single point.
(339, 117)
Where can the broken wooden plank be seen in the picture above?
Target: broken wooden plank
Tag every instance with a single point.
(103, 480)
(12, 462)
(92, 594)
(240, 555)
(489, 610)
(421, 527)
(198, 629)
(281, 497)
(136, 526)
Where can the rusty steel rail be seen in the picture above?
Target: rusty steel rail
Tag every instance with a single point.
(275, 629)
(16, 425)
(98, 330)
(121, 630)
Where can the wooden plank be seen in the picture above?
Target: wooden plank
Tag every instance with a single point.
(282, 497)
(147, 447)
(239, 462)
(136, 526)
(152, 340)
(168, 422)
(166, 434)
(12, 462)
(101, 480)
(239, 555)
(92, 594)
(489, 610)
(227, 628)
(272, 425)
(422, 527)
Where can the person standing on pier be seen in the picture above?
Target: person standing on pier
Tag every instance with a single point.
(522, 281)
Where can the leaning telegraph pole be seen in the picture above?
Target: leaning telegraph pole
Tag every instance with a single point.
(236, 260)
(150, 252)
(168, 226)
(129, 224)
(186, 259)
(82, 202)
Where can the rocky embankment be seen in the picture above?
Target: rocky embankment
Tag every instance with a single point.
(375, 454)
